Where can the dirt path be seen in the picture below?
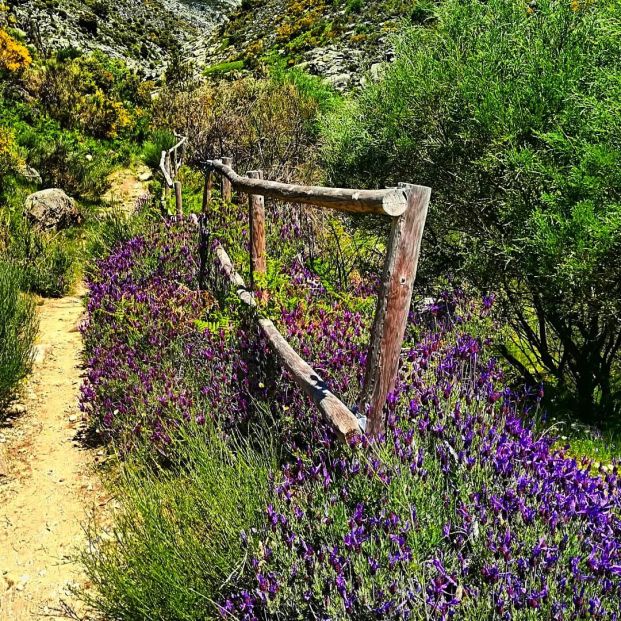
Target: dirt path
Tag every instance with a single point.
(47, 483)
(128, 186)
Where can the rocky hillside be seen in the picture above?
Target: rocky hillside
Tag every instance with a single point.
(146, 33)
(340, 40)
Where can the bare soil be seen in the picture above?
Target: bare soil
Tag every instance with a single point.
(127, 186)
(48, 483)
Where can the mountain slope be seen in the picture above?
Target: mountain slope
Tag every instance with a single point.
(145, 33)
(337, 39)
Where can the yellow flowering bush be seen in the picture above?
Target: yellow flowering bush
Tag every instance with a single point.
(10, 159)
(14, 57)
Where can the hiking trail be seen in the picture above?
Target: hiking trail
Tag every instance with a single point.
(48, 486)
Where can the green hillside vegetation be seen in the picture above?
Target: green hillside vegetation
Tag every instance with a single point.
(65, 122)
(352, 33)
(495, 492)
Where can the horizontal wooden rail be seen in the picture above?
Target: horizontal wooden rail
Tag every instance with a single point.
(171, 161)
(335, 411)
(407, 206)
(392, 202)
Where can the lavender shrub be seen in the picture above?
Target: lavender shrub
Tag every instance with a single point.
(461, 511)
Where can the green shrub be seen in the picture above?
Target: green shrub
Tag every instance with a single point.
(112, 227)
(224, 68)
(176, 541)
(18, 328)
(54, 269)
(10, 159)
(47, 262)
(93, 93)
(308, 86)
(159, 140)
(511, 112)
(65, 160)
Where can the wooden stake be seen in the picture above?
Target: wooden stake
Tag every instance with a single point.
(179, 199)
(258, 255)
(203, 249)
(207, 191)
(227, 189)
(393, 307)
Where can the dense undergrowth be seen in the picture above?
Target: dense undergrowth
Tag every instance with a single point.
(511, 114)
(67, 120)
(462, 510)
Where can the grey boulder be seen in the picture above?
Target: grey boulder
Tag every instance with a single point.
(52, 210)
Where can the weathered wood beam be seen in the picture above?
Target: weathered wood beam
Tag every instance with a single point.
(179, 199)
(393, 306)
(164, 169)
(207, 191)
(391, 202)
(227, 189)
(256, 219)
(302, 373)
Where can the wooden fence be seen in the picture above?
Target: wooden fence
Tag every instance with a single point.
(407, 207)
(170, 164)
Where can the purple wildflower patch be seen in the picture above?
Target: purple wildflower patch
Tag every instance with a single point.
(462, 510)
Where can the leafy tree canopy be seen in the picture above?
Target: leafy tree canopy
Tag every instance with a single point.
(511, 112)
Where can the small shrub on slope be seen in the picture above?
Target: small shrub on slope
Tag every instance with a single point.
(176, 543)
(18, 329)
(14, 57)
(10, 158)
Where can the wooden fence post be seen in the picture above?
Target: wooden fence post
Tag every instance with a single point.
(256, 204)
(207, 191)
(227, 190)
(203, 249)
(393, 306)
(179, 199)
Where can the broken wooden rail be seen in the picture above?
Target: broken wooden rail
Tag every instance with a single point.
(344, 421)
(407, 207)
(170, 164)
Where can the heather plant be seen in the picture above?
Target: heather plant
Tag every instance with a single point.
(149, 326)
(18, 329)
(510, 112)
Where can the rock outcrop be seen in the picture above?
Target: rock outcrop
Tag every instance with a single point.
(143, 34)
